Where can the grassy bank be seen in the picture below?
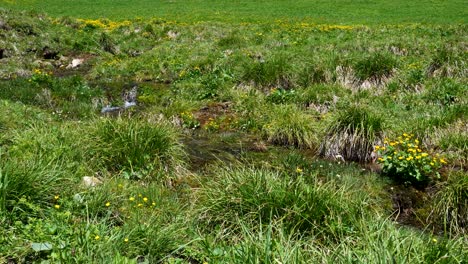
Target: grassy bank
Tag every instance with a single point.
(250, 142)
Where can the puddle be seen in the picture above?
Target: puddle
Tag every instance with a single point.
(204, 149)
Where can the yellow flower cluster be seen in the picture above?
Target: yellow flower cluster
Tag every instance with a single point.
(104, 23)
(409, 149)
(140, 201)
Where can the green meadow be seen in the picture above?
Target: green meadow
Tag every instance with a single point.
(318, 11)
(233, 132)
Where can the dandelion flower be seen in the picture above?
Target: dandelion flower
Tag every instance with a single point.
(424, 154)
(126, 240)
(145, 199)
(298, 170)
(108, 204)
(131, 199)
(140, 205)
(56, 197)
(153, 204)
(57, 206)
(434, 240)
(97, 237)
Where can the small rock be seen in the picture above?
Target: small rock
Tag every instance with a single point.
(3, 25)
(259, 146)
(91, 181)
(75, 63)
(172, 34)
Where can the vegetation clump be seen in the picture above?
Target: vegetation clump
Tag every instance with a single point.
(287, 126)
(352, 135)
(405, 160)
(134, 145)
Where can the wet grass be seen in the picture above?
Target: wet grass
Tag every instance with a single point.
(249, 142)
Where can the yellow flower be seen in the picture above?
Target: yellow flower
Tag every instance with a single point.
(432, 163)
(145, 199)
(409, 158)
(416, 141)
(392, 144)
(400, 158)
(108, 204)
(424, 154)
(153, 204)
(377, 147)
(140, 205)
(298, 170)
(405, 135)
(57, 206)
(126, 240)
(443, 161)
(56, 197)
(97, 237)
(418, 157)
(120, 185)
(131, 199)
(434, 240)
(381, 159)
(419, 150)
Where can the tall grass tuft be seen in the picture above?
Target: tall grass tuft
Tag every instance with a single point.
(374, 67)
(451, 204)
(352, 135)
(262, 195)
(288, 126)
(274, 71)
(138, 145)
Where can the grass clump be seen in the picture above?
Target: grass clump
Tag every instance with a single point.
(352, 135)
(451, 204)
(138, 145)
(375, 67)
(287, 125)
(273, 71)
(262, 195)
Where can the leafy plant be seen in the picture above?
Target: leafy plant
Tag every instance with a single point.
(189, 121)
(404, 159)
(281, 96)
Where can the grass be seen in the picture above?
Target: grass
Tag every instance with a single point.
(321, 11)
(252, 139)
(353, 135)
